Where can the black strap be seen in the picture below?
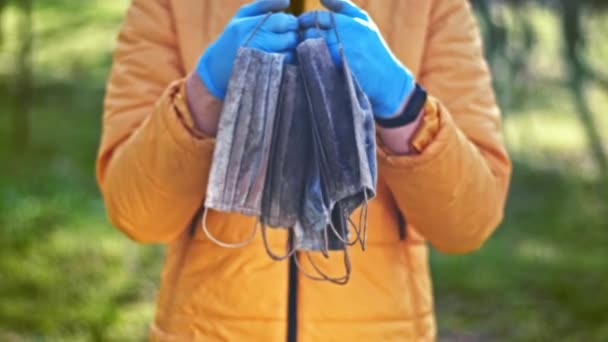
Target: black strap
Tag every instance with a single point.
(410, 112)
(257, 28)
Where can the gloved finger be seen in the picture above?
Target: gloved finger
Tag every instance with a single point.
(312, 19)
(323, 20)
(276, 23)
(281, 23)
(278, 42)
(313, 33)
(345, 7)
(260, 7)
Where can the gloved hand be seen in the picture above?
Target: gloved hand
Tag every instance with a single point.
(278, 34)
(387, 83)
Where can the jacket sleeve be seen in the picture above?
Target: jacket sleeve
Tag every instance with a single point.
(454, 192)
(152, 168)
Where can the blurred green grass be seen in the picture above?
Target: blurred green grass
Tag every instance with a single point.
(66, 275)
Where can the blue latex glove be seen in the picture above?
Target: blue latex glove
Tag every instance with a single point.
(387, 83)
(278, 34)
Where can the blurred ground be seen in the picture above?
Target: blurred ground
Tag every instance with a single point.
(66, 275)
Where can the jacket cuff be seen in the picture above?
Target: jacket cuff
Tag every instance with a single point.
(179, 121)
(430, 140)
(428, 127)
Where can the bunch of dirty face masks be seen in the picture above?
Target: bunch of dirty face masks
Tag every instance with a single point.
(296, 149)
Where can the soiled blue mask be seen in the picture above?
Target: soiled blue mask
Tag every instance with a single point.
(296, 149)
(240, 160)
(342, 173)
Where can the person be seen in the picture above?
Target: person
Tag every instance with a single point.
(443, 174)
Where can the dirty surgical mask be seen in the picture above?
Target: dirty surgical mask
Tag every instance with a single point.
(239, 169)
(289, 154)
(344, 143)
(302, 157)
(343, 173)
(290, 150)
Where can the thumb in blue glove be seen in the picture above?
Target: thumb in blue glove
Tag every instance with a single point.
(387, 83)
(277, 34)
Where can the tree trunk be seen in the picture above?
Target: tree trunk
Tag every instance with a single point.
(574, 38)
(23, 82)
(495, 43)
(296, 7)
(2, 7)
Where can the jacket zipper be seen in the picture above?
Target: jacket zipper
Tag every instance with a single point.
(296, 7)
(292, 294)
(292, 291)
(292, 301)
(402, 226)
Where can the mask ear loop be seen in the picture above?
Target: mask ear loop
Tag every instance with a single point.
(256, 29)
(336, 280)
(362, 222)
(365, 220)
(224, 244)
(344, 239)
(291, 249)
(317, 26)
(361, 231)
(343, 280)
(338, 39)
(357, 232)
(325, 250)
(321, 275)
(204, 218)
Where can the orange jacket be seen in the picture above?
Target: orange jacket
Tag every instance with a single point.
(153, 168)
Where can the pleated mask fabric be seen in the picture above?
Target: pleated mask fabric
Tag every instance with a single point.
(344, 149)
(289, 153)
(343, 173)
(296, 149)
(242, 150)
